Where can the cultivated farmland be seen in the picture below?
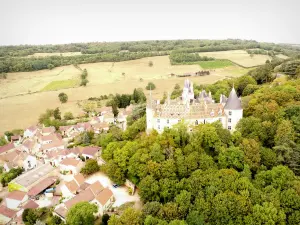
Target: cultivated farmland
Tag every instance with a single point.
(240, 57)
(28, 93)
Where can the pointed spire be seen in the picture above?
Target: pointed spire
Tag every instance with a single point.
(233, 102)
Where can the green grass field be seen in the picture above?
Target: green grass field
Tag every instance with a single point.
(61, 84)
(216, 64)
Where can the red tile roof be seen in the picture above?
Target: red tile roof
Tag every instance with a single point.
(28, 144)
(96, 187)
(70, 162)
(90, 150)
(72, 186)
(32, 128)
(54, 144)
(7, 147)
(30, 205)
(84, 196)
(16, 195)
(48, 130)
(7, 212)
(62, 211)
(104, 196)
(41, 186)
(79, 178)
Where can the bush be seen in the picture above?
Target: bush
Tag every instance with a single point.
(63, 97)
(150, 63)
(90, 167)
(68, 116)
(150, 86)
(84, 82)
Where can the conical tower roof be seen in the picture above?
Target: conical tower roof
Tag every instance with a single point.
(233, 102)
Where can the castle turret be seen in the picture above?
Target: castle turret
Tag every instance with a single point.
(233, 109)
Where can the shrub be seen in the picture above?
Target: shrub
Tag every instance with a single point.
(150, 86)
(90, 167)
(150, 63)
(63, 97)
(68, 116)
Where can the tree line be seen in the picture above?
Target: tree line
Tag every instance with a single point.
(182, 58)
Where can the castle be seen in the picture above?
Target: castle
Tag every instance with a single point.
(194, 111)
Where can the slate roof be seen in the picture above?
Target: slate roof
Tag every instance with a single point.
(233, 102)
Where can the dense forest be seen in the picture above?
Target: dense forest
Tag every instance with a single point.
(212, 176)
(13, 58)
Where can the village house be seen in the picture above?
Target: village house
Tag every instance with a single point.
(41, 186)
(95, 193)
(67, 130)
(90, 152)
(54, 145)
(71, 188)
(28, 146)
(96, 119)
(16, 139)
(6, 214)
(7, 148)
(33, 177)
(81, 127)
(9, 160)
(70, 165)
(99, 127)
(73, 153)
(30, 162)
(30, 132)
(47, 131)
(104, 200)
(14, 199)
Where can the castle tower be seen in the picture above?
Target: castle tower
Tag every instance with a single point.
(233, 110)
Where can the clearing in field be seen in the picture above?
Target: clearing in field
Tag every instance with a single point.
(55, 54)
(61, 84)
(240, 57)
(216, 64)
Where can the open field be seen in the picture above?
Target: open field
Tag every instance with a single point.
(28, 82)
(216, 64)
(20, 111)
(240, 57)
(281, 56)
(55, 54)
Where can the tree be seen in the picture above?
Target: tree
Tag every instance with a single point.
(150, 86)
(115, 110)
(91, 166)
(105, 219)
(84, 82)
(89, 106)
(68, 116)
(2, 141)
(150, 63)
(29, 216)
(251, 150)
(57, 114)
(128, 217)
(63, 97)
(242, 82)
(195, 218)
(81, 213)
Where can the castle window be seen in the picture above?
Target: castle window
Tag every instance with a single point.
(229, 120)
(204, 121)
(158, 127)
(230, 113)
(196, 122)
(220, 119)
(229, 127)
(168, 121)
(158, 120)
(179, 121)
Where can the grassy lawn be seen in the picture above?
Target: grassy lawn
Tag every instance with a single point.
(61, 84)
(215, 64)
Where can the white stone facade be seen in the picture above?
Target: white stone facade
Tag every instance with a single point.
(203, 110)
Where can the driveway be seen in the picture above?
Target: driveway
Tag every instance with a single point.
(121, 193)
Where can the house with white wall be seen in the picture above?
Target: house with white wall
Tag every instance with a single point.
(90, 152)
(29, 163)
(72, 166)
(13, 200)
(104, 200)
(30, 132)
(47, 131)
